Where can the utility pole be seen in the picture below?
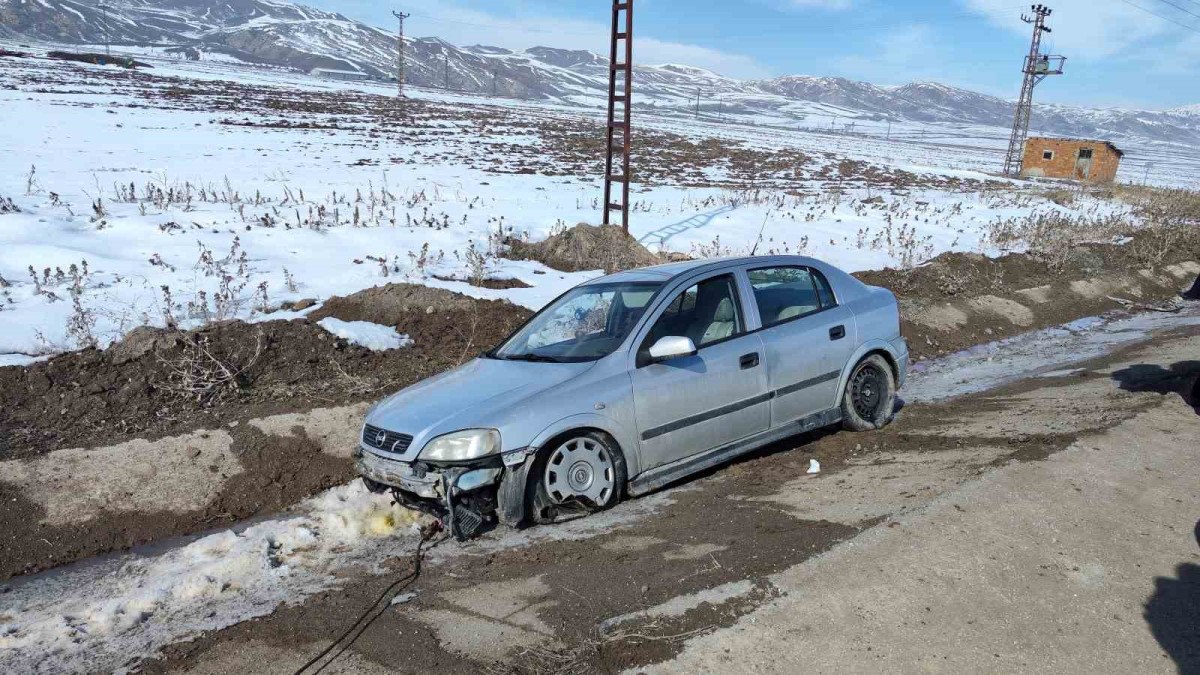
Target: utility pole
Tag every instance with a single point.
(1038, 67)
(107, 37)
(400, 16)
(495, 75)
(697, 102)
(889, 131)
(620, 79)
(446, 69)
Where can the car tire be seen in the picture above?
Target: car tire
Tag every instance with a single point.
(577, 462)
(869, 401)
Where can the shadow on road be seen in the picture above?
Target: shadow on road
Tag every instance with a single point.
(1173, 613)
(1181, 378)
(1193, 293)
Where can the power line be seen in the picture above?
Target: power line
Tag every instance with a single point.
(1164, 18)
(1014, 10)
(1181, 8)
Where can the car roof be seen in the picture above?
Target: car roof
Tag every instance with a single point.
(669, 271)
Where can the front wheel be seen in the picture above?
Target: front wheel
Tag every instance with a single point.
(870, 397)
(577, 475)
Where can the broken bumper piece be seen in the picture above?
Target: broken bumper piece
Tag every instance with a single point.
(462, 497)
(422, 480)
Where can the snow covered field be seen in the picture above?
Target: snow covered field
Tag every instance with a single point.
(193, 192)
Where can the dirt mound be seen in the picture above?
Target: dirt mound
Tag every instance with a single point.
(273, 473)
(393, 304)
(958, 300)
(586, 247)
(157, 383)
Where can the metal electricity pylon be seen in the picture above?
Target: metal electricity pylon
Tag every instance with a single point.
(400, 16)
(1038, 67)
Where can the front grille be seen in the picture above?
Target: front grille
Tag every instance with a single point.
(389, 441)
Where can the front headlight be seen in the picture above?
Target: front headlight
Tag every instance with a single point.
(462, 445)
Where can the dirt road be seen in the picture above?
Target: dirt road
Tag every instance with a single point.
(1045, 522)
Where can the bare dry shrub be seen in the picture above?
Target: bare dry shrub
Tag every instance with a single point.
(1153, 246)
(1164, 206)
(196, 372)
(1060, 196)
(1054, 238)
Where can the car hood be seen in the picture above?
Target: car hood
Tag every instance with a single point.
(470, 396)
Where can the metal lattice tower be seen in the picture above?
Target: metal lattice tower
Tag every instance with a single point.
(107, 38)
(400, 16)
(620, 91)
(1038, 67)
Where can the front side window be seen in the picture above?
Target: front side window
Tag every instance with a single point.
(1047, 154)
(785, 293)
(706, 312)
(1085, 153)
(587, 323)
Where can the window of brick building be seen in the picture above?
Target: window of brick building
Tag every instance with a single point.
(1047, 154)
(1085, 153)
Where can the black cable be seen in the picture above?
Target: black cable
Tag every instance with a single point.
(1164, 18)
(390, 592)
(1181, 8)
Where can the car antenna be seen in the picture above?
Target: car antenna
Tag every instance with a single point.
(754, 249)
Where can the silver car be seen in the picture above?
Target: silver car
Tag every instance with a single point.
(634, 380)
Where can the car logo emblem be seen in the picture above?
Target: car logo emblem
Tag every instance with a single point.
(380, 437)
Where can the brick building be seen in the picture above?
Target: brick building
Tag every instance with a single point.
(1073, 159)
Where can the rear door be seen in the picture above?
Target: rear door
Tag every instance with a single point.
(690, 404)
(807, 339)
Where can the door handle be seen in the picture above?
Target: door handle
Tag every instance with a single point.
(837, 332)
(749, 360)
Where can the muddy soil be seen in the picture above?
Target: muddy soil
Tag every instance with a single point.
(134, 388)
(275, 473)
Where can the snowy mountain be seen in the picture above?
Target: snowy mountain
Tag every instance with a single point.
(282, 34)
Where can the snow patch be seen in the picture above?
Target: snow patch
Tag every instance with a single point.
(373, 336)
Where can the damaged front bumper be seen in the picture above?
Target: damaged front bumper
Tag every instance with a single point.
(465, 496)
(420, 479)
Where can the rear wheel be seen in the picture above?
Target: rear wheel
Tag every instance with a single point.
(576, 475)
(870, 397)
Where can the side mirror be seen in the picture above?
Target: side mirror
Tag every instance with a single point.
(670, 347)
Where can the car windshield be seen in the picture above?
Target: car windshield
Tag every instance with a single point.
(587, 323)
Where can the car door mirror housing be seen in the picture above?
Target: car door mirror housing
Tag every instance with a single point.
(670, 347)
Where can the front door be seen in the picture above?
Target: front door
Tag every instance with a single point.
(690, 404)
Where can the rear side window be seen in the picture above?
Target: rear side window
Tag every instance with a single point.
(784, 293)
(824, 292)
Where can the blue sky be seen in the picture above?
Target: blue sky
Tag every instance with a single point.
(1120, 53)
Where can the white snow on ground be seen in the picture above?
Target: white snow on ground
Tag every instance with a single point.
(85, 618)
(366, 334)
(137, 214)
